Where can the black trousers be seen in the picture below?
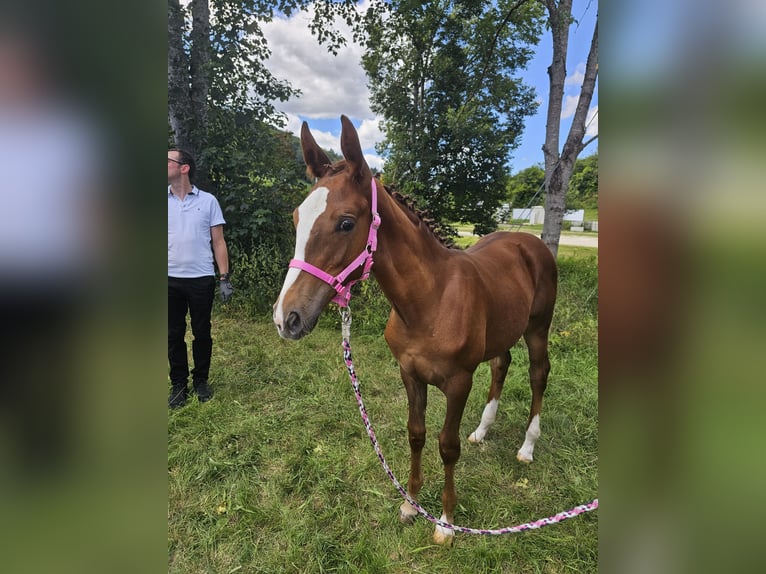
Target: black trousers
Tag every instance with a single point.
(40, 378)
(194, 296)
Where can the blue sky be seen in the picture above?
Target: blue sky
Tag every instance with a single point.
(332, 86)
(580, 36)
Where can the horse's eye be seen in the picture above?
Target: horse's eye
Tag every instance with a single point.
(346, 225)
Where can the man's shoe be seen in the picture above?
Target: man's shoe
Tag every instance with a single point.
(204, 392)
(177, 397)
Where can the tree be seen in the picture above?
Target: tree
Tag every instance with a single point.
(526, 186)
(180, 113)
(560, 165)
(221, 65)
(583, 185)
(220, 104)
(441, 75)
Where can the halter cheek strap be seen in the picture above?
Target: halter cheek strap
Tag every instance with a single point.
(364, 260)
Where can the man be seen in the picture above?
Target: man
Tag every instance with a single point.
(195, 221)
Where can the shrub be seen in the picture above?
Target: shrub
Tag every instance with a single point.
(257, 276)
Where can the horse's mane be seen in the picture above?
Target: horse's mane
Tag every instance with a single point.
(423, 216)
(418, 215)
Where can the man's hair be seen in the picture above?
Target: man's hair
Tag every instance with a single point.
(188, 159)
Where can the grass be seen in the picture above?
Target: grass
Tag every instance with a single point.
(276, 473)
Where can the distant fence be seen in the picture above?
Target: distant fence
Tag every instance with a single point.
(535, 215)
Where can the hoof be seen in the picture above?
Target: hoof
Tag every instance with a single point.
(473, 439)
(523, 458)
(443, 537)
(406, 518)
(407, 513)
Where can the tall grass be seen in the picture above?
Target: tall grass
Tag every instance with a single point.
(276, 473)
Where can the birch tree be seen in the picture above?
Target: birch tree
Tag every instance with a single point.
(560, 162)
(216, 60)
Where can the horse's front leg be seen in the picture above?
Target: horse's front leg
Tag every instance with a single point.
(417, 395)
(449, 448)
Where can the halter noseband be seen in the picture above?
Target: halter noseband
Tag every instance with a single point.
(363, 259)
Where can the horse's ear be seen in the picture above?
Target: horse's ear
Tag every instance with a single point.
(317, 162)
(352, 150)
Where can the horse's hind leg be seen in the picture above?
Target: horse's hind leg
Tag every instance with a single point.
(499, 368)
(539, 367)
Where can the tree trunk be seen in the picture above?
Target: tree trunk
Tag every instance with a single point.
(189, 81)
(200, 72)
(559, 167)
(180, 113)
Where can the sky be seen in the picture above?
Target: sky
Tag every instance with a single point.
(334, 85)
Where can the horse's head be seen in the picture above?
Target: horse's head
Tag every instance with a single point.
(332, 226)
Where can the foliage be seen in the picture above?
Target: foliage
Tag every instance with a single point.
(575, 322)
(239, 78)
(583, 186)
(258, 177)
(526, 186)
(276, 473)
(582, 192)
(441, 75)
(236, 72)
(221, 101)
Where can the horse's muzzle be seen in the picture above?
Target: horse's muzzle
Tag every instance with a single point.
(295, 326)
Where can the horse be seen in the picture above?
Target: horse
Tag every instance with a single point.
(451, 309)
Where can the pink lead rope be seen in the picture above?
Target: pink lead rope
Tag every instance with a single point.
(555, 519)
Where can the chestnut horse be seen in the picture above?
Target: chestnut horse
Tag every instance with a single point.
(451, 309)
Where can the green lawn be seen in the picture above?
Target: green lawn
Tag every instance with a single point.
(276, 473)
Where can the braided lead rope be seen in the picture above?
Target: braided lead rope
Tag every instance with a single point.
(556, 518)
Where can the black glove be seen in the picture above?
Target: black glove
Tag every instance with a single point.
(227, 290)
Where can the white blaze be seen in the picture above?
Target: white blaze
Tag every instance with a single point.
(308, 212)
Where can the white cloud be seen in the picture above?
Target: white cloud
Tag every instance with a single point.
(591, 122)
(569, 106)
(591, 119)
(326, 140)
(330, 85)
(577, 76)
(369, 133)
(329, 141)
(293, 124)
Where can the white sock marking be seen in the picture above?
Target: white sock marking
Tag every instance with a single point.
(308, 212)
(445, 532)
(533, 433)
(487, 420)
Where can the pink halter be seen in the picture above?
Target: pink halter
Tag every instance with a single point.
(363, 259)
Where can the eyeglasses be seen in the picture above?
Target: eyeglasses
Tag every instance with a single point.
(176, 161)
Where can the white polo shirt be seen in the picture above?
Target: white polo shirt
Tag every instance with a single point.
(190, 252)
